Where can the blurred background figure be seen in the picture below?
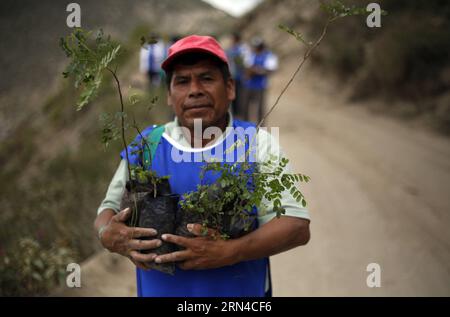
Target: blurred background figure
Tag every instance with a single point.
(151, 56)
(236, 55)
(259, 64)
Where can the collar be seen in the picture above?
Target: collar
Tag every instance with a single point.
(173, 131)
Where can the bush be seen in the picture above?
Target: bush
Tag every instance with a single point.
(33, 270)
(402, 59)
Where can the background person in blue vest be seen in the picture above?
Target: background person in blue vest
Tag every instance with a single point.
(200, 87)
(258, 66)
(150, 59)
(236, 55)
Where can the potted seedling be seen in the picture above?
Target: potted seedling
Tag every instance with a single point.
(229, 204)
(226, 205)
(148, 195)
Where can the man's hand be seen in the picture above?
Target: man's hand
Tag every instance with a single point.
(202, 252)
(206, 252)
(117, 237)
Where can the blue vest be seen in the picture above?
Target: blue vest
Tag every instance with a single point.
(236, 51)
(258, 82)
(242, 279)
(151, 58)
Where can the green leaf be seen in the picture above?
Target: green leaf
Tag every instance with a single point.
(88, 59)
(336, 9)
(298, 36)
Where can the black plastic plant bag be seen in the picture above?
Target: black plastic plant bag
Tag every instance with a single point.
(233, 227)
(182, 220)
(236, 227)
(154, 212)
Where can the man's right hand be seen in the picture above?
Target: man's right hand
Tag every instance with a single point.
(117, 237)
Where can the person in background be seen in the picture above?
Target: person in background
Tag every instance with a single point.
(236, 55)
(151, 56)
(259, 64)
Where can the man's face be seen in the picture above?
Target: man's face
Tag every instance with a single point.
(199, 92)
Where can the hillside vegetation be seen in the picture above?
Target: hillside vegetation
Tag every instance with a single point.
(404, 64)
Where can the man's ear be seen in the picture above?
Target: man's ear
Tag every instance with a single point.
(231, 89)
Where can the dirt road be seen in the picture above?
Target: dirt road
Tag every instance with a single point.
(379, 194)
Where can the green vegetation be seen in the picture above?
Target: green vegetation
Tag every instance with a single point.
(230, 196)
(230, 200)
(55, 181)
(406, 60)
(33, 270)
(90, 59)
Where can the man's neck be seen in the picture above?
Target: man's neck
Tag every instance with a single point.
(197, 141)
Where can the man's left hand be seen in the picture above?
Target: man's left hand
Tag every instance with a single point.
(202, 252)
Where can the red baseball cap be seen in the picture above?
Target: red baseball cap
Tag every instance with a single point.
(194, 43)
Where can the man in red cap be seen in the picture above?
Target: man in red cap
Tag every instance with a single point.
(200, 89)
